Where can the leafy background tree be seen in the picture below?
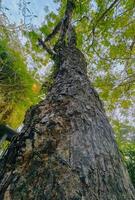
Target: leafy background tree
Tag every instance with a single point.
(18, 89)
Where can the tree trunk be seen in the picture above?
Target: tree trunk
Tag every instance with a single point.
(70, 152)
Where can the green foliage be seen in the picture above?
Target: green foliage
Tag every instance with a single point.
(128, 152)
(126, 142)
(16, 85)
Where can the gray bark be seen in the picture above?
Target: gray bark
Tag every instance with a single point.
(68, 150)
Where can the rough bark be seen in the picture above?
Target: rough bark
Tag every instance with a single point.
(70, 151)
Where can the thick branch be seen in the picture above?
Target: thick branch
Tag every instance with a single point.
(42, 43)
(54, 32)
(67, 19)
(62, 26)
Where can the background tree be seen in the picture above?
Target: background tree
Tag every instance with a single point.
(17, 85)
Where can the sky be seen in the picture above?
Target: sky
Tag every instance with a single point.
(35, 8)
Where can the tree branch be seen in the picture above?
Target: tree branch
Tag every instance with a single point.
(130, 54)
(54, 32)
(67, 19)
(62, 26)
(106, 11)
(42, 43)
(102, 17)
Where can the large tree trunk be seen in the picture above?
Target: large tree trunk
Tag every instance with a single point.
(70, 151)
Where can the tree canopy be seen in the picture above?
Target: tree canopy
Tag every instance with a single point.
(105, 33)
